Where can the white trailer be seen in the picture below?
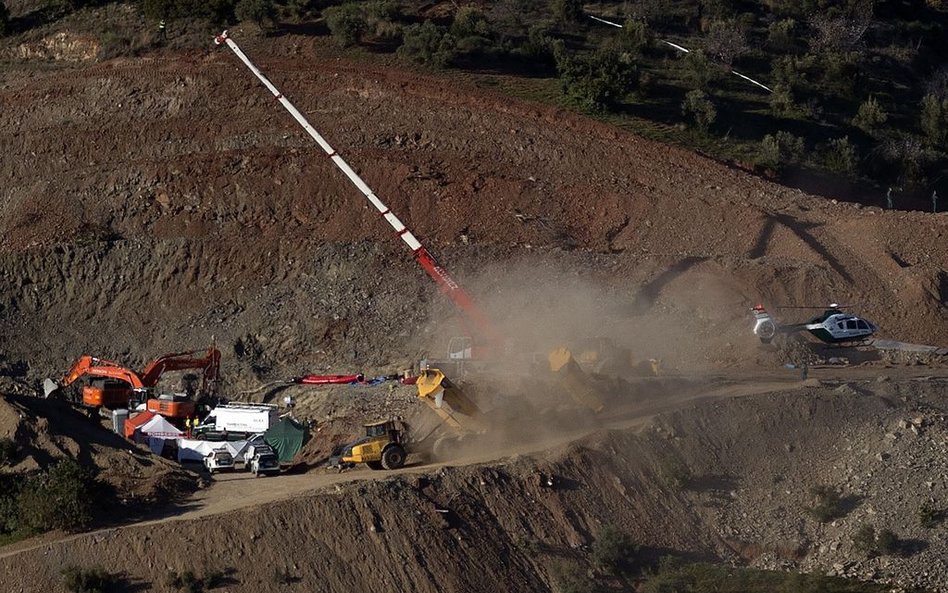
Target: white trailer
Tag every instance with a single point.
(240, 419)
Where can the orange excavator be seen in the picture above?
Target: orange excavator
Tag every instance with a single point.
(107, 384)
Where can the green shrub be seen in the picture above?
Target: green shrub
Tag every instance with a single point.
(567, 11)
(4, 19)
(826, 503)
(781, 35)
(599, 81)
(614, 551)
(872, 543)
(428, 44)
(636, 35)
(699, 71)
(779, 150)
(347, 23)
(189, 582)
(839, 156)
(726, 41)
(88, 580)
(63, 497)
(570, 577)
(934, 120)
(870, 116)
(258, 11)
(781, 101)
(216, 11)
(699, 109)
(469, 20)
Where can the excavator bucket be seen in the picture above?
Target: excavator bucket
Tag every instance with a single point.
(448, 401)
(576, 382)
(50, 387)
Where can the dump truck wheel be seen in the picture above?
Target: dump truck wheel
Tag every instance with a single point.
(374, 464)
(393, 457)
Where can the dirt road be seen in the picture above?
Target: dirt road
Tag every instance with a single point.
(236, 491)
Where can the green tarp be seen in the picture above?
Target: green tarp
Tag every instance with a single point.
(287, 438)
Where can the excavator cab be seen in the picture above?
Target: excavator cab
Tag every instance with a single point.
(382, 447)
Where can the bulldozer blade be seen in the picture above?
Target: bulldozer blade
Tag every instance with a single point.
(50, 387)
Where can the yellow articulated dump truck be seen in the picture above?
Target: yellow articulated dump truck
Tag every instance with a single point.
(387, 443)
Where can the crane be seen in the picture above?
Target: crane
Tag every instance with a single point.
(493, 340)
(436, 271)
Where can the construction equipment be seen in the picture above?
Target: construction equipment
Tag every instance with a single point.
(384, 446)
(107, 384)
(491, 342)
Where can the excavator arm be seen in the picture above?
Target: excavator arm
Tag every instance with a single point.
(209, 364)
(89, 366)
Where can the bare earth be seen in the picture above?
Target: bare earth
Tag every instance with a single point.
(160, 203)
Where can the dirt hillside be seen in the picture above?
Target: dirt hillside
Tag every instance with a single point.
(204, 213)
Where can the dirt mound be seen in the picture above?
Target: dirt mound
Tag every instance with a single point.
(45, 431)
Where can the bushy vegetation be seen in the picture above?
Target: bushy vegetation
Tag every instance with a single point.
(699, 109)
(872, 543)
(65, 496)
(825, 66)
(428, 44)
(863, 84)
(190, 582)
(88, 580)
(597, 82)
(261, 12)
(613, 551)
(674, 575)
(826, 503)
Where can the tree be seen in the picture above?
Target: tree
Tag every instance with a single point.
(636, 35)
(428, 44)
(258, 11)
(781, 35)
(468, 21)
(699, 109)
(699, 71)
(870, 116)
(597, 82)
(726, 41)
(840, 157)
(4, 19)
(781, 101)
(613, 551)
(781, 149)
(567, 11)
(346, 23)
(934, 119)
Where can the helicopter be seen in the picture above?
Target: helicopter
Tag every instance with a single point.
(833, 326)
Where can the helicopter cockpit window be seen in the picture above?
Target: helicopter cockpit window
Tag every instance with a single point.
(862, 324)
(850, 325)
(841, 325)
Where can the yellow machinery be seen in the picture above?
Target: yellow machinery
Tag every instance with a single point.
(382, 447)
(574, 379)
(386, 444)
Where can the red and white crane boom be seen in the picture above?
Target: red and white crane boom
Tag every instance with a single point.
(441, 277)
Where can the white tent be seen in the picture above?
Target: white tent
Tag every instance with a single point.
(195, 450)
(156, 431)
